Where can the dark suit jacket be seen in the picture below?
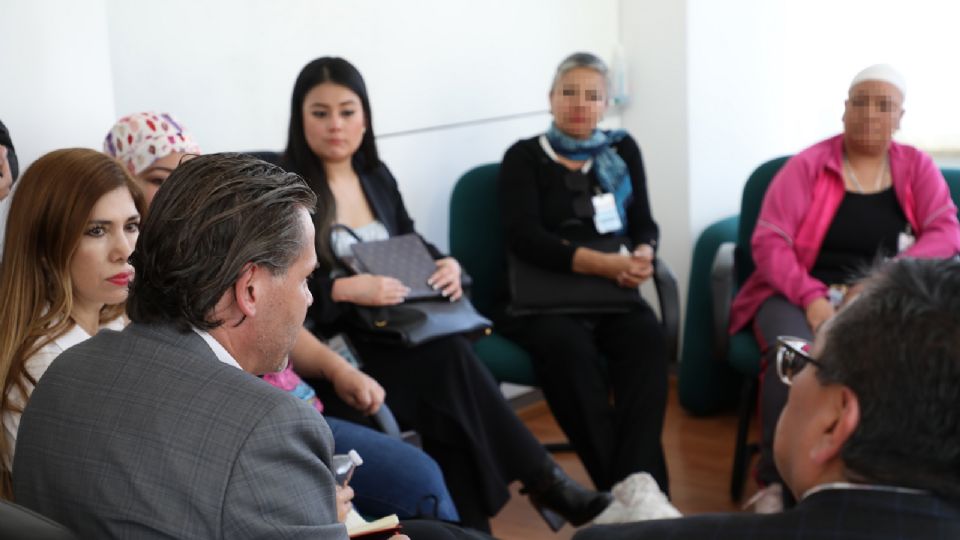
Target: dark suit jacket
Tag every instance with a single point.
(830, 514)
(146, 434)
(11, 153)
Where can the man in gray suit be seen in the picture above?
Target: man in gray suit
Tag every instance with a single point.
(157, 431)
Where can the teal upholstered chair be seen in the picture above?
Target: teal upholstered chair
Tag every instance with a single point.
(732, 265)
(952, 175)
(476, 241)
(706, 384)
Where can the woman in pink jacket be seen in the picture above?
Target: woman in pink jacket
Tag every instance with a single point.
(833, 209)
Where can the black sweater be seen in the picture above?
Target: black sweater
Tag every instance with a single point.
(535, 201)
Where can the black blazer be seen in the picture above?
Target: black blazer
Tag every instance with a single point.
(831, 514)
(383, 195)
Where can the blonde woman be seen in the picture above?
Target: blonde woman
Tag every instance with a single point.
(73, 223)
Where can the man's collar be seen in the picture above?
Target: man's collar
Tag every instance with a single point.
(866, 487)
(218, 349)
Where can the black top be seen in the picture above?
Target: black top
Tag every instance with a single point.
(535, 203)
(383, 195)
(11, 153)
(866, 226)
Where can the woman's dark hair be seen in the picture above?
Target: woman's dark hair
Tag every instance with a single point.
(215, 215)
(299, 158)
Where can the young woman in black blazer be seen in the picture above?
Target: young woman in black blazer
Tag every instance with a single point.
(439, 388)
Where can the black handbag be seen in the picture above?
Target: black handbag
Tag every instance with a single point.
(422, 317)
(535, 290)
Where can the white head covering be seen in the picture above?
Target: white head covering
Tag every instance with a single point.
(882, 72)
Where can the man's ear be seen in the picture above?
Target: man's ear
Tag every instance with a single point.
(842, 416)
(246, 291)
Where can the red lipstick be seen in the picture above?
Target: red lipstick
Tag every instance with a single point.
(122, 279)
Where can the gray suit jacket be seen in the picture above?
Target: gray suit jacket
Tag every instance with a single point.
(146, 434)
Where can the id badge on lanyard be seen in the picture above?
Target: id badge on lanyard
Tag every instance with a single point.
(606, 218)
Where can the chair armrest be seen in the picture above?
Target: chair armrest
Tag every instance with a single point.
(722, 288)
(385, 422)
(669, 298)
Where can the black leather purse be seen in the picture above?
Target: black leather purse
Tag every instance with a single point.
(425, 315)
(535, 290)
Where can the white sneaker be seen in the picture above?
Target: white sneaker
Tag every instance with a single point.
(637, 498)
(768, 500)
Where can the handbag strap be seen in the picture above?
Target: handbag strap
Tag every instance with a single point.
(341, 227)
(333, 250)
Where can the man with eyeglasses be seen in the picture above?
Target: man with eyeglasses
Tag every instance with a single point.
(869, 440)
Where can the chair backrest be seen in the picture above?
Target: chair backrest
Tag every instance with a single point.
(475, 236)
(756, 187)
(952, 175)
(704, 384)
(267, 155)
(750, 204)
(19, 522)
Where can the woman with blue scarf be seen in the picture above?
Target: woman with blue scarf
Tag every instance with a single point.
(559, 191)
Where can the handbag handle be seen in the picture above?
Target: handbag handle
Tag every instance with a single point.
(333, 251)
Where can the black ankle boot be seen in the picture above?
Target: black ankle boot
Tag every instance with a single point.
(558, 498)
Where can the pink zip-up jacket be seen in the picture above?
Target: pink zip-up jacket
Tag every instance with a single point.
(800, 204)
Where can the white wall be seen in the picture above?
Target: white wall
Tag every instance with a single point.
(226, 69)
(654, 38)
(720, 87)
(54, 76)
(716, 87)
(770, 78)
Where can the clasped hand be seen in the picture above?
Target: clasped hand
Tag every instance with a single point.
(633, 269)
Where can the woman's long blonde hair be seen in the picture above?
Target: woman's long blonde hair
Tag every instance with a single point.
(48, 215)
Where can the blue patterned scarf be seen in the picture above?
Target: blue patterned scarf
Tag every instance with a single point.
(611, 170)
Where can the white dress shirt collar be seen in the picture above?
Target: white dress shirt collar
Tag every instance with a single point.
(218, 349)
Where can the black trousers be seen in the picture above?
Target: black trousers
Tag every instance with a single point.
(579, 362)
(443, 391)
(776, 317)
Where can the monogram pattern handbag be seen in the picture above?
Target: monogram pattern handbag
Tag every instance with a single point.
(421, 318)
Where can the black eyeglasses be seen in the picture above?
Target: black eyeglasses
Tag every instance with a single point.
(793, 354)
(579, 184)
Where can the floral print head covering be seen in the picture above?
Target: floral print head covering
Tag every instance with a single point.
(140, 139)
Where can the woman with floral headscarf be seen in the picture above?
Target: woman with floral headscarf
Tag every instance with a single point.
(150, 145)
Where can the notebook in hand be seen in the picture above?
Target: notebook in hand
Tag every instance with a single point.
(384, 527)
(403, 257)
